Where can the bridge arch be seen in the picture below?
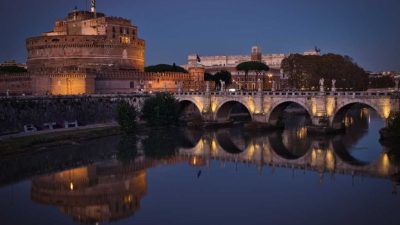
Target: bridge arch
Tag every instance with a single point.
(224, 109)
(189, 107)
(337, 120)
(278, 108)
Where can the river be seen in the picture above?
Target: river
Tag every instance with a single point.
(226, 176)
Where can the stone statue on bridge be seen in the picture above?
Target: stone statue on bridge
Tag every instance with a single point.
(396, 88)
(207, 86)
(222, 85)
(273, 86)
(333, 85)
(321, 84)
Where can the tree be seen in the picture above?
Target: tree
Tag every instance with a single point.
(222, 76)
(256, 66)
(161, 68)
(126, 116)
(305, 71)
(208, 77)
(161, 109)
(381, 82)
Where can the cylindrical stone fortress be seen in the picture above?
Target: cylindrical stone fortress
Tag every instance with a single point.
(87, 40)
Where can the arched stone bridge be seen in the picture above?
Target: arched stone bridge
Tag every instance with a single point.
(324, 108)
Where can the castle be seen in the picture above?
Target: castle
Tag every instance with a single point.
(90, 53)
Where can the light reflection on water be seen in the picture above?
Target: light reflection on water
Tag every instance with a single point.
(220, 177)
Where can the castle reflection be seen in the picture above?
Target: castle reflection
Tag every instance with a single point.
(111, 190)
(101, 192)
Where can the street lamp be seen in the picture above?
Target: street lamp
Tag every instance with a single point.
(270, 80)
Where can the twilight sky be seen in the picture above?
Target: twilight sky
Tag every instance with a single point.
(366, 30)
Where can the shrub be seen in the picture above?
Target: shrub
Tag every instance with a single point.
(126, 117)
(161, 109)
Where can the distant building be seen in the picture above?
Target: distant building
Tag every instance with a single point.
(214, 64)
(12, 63)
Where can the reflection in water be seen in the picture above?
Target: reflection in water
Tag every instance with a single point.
(101, 192)
(293, 148)
(111, 190)
(353, 144)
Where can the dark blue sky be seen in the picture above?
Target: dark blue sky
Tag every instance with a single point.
(366, 30)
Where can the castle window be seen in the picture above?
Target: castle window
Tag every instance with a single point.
(132, 85)
(125, 40)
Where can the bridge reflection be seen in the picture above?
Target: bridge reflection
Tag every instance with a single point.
(323, 154)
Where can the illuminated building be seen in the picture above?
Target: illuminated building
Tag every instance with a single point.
(214, 64)
(87, 53)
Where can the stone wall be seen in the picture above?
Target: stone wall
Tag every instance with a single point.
(76, 82)
(15, 112)
(15, 83)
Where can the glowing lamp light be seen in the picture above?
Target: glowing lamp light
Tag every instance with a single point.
(385, 164)
(251, 105)
(214, 146)
(330, 106)
(213, 106)
(314, 106)
(71, 186)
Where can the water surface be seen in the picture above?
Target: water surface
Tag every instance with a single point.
(228, 176)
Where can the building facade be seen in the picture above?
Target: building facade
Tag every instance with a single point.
(273, 77)
(87, 53)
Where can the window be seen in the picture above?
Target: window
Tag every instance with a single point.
(125, 40)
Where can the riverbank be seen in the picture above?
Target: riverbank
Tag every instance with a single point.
(40, 141)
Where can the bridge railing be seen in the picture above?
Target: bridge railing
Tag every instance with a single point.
(294, 93)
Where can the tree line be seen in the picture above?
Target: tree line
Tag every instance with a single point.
(305, 71)
(162, 68)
